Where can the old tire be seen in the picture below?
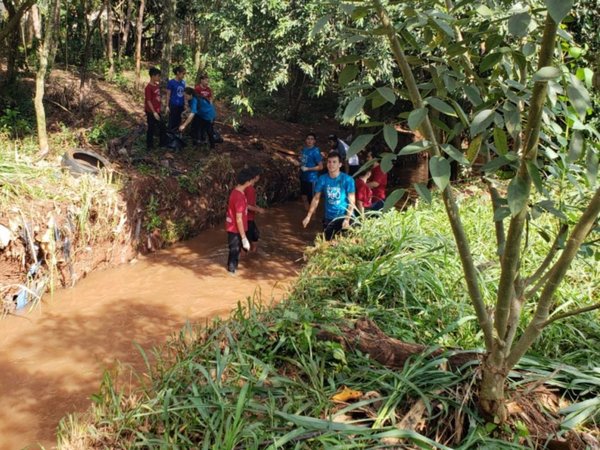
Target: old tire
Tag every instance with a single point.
(80, 161)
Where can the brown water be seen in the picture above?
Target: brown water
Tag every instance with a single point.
(52, 359)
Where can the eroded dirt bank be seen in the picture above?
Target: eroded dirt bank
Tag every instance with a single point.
(52, 359)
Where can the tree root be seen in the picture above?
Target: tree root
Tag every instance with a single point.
(367, 337)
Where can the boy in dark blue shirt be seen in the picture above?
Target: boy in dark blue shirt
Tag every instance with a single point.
(311, 163)
(175, 100)
(338, 189)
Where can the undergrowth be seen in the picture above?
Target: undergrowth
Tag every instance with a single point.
(263, 380)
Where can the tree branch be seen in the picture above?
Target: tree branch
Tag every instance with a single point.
(512, 255)
(460, 236)
(15, 19)
(546, 262)
(555, 276)
(575, 312)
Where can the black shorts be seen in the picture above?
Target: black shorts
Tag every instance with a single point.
(307, 188)
(253, 234)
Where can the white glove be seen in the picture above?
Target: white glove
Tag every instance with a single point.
(303, 168)
(245, 244)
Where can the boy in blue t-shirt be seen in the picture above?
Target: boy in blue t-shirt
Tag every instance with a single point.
(311, 163)
(338, 189)
(175, 100)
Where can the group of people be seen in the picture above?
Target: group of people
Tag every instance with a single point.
(345, 195)
(198, 101)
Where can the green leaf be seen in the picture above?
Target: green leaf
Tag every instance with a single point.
(534, 173)
(378, 101)
(474, 148)
(481, 121)
(415, 147)
(416, 117)
(576, 146)
(423, 191)
(319, 25)
(518, 24)
(490, 61)
(393, 198)
(546, 74)
(558, 9)
(390, 135)
(387, 161)
(501, 213)
(512, 119)
(353, 108)
(441, 106)
(387, 93)
(500, 141)
(461, 114)
(548, 206)
(495, 164)
(348, 59)
(579, 96)
(348, 74)
(455, 154)
(359, 143)
(518, 195)
(591, 162)
(440, 171)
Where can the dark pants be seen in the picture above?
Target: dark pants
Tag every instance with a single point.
(175, 117)
(307, 188)
(207, 131)
(376, 206)
(333, 227)
(154, 127)
(234, 241)
(253, 233)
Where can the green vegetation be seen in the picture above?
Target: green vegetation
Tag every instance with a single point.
(264, 380)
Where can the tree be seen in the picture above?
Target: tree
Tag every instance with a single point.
(45, 52)
(490, 59)
(139, 31)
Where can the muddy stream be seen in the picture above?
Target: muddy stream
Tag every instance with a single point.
(52, 359)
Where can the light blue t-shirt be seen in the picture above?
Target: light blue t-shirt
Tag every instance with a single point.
(310, 157)
(335, 191)
(176, 88)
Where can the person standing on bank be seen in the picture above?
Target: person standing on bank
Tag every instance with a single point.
(311, 163)
(236, 220)
(377, 182)
(175, 99)
(338, 189)
(253, 233)
(152, 109)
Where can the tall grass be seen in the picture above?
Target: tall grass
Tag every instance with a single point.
(263, 379)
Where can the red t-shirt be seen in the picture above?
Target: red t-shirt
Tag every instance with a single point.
(363, 192)
(205, 92)
(237, 204)
(152, 95)
(251, 198)
(380, 177)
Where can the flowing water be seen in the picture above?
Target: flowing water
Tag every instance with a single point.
(52, 359)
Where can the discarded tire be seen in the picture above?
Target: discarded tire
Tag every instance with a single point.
(80, 161)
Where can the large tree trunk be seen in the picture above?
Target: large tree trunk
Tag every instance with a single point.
(109, 40)
(46, 44)
(126, 27)
(11, 32)
(139, 31)
(168, 30)
(87, 53)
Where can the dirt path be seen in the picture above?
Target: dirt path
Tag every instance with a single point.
(53, 359)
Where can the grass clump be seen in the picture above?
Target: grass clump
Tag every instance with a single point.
(264, 380)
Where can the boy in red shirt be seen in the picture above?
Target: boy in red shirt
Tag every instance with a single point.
(203, 89)
(253, 233)
(152, 108)
(236, 221)
(377, 182)
(364, 194)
